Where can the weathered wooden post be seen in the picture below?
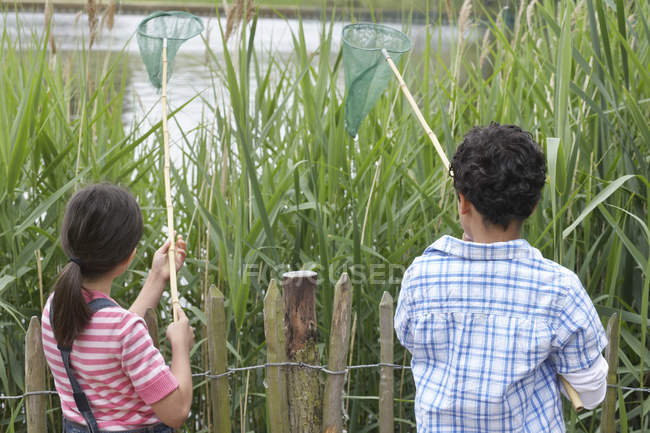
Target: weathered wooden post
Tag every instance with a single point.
(607, 420)
(35, 405)
(304, 393)
(216, 324)
(276, 340)
(386, 380)
(338, 351)
(152, 325)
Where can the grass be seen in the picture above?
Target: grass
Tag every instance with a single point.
(270, 181)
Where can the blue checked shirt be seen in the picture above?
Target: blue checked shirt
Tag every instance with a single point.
(489, 327)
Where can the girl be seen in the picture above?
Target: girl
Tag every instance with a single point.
(108, 354)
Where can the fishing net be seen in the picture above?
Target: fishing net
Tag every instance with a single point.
(176, 27)
(366, 71)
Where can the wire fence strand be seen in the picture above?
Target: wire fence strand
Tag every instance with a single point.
(628, 388)
(321, 368)
(233, 370)
(27, 394)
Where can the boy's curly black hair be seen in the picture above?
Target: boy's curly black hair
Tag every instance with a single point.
(501, 170)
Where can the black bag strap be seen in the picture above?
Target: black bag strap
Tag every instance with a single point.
(80, 398)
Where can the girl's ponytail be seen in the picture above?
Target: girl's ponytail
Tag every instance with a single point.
(101, 228)
(69, 313)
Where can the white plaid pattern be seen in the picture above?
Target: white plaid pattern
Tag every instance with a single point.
(489, 327)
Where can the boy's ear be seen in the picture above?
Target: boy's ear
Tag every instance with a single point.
(535, 207)
(463, 204)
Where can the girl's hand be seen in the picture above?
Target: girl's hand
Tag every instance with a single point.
(158, 277)
(160, 263)
(175, 407)
(180, 334)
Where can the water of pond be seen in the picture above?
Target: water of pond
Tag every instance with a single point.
(191, 73)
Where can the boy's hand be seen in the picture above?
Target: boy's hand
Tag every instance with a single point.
(160, 264)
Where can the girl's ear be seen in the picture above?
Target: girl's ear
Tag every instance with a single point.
(132, 256)
(127, 262)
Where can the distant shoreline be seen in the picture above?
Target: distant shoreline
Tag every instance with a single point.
(209, 9)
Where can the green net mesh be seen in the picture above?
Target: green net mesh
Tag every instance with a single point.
(366, 71)
(176, 27)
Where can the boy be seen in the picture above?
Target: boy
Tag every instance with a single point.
(489, 321)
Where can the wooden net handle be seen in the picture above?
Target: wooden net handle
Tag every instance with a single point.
(418, 113)
(171, 254)
(576, 401)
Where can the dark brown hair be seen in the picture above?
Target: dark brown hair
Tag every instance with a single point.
(101, 227)
(501, 170)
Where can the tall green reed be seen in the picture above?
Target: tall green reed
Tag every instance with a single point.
(269, 181)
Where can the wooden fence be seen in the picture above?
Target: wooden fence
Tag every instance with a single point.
(294, 396)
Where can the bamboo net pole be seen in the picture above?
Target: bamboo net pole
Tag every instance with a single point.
(576, 401)
(168, 194)
(418, 113)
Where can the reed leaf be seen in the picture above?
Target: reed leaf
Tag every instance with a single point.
(600, 198)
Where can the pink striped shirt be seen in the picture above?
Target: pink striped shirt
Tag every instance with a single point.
(117, 366)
